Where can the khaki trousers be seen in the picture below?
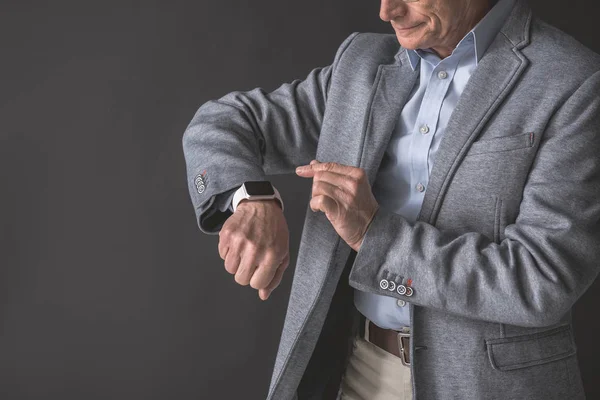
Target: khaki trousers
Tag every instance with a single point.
(374, 374)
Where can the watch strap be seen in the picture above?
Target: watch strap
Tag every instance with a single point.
(241, 194)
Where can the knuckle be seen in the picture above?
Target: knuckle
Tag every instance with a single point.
(236, 237)
(275, 260)
(224, 233)
(251, 247)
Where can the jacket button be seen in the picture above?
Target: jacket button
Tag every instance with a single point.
(401, 289)
(409, 291)
(384, 284)
(392, 286)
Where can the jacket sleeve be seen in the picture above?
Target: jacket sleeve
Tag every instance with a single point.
(244, 136)
(549, 257)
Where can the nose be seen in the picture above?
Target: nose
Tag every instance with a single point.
(391, 9)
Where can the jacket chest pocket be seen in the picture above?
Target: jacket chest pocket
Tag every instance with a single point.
(501, 144)
(486, 190)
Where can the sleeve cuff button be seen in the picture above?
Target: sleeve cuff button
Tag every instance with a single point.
(401, 289)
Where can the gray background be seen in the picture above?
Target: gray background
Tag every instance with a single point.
(108, 290)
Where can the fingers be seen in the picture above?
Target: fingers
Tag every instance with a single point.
(348, 183)
(326, 204)
(254, 272)
(347, 170)
(252, 247)
(264, 273)
(345, 182)
(232, 263)
(223, 248)
(246, 268)
(266, 292)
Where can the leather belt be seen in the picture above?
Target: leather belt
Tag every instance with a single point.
(392, 341)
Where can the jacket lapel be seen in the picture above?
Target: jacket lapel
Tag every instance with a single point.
(393, 84)
(318, 269)
(496, 74)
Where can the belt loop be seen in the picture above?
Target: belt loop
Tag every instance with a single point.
(367, 329)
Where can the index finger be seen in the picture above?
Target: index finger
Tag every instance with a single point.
(333, 167)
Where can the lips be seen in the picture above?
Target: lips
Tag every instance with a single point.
(405, 29)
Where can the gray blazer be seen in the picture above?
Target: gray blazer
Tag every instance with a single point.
(508, 237)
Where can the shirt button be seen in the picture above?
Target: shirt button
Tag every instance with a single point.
(420, 187)
(401, 303)
(424, 129)
(442, 74)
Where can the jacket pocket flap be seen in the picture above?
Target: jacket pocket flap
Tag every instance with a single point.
(522, 351)
(502, 143)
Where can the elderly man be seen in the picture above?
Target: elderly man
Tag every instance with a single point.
(455, 214)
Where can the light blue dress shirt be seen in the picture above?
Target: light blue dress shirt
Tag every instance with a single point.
(403, 176)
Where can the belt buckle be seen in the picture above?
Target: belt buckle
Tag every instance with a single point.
(404, 350)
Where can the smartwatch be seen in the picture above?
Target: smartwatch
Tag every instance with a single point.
(256, 190)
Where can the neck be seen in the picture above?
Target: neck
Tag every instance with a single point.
(476, 10)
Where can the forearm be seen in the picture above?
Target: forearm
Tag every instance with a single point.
(245, 136)
(549, 255)
(521, 281)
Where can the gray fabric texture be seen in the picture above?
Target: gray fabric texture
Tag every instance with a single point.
(508, 237)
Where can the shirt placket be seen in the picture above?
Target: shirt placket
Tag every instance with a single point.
(439, 78)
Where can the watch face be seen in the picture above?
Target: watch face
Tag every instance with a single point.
(258, 188)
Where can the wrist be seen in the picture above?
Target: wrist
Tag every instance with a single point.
(265, 201)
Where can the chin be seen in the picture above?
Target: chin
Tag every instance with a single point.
(407, 43)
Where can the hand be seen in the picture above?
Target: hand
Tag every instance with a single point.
(343, 193)
(254, 242)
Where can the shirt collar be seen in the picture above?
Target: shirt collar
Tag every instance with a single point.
(482, 34)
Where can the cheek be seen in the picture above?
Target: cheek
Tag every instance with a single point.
(435, 25)
(431, 22)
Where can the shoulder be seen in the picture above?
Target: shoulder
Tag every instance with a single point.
(369, 47)
(560, 53)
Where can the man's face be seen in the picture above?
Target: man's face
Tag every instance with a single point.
(436, 24)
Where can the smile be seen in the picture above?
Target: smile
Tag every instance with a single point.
(406, 29)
